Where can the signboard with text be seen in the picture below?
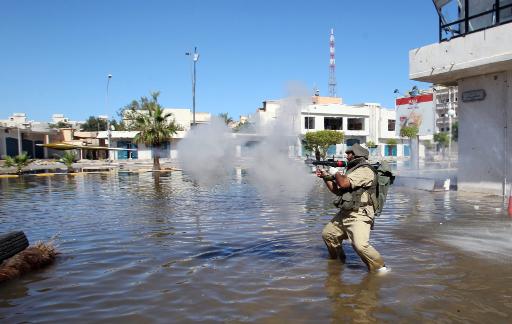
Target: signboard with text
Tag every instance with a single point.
(419, 111)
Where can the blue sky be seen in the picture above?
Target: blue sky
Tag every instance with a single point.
(56, 54)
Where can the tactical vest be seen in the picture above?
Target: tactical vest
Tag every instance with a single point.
(350, 199)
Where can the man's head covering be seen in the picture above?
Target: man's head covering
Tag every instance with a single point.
(358, 151)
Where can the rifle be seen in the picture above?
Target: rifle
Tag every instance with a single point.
(339, 164)
(331, 163)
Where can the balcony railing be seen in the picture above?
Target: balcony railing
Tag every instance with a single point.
(500, 13)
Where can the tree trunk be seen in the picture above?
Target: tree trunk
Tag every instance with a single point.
(317, 154)
(156, 160)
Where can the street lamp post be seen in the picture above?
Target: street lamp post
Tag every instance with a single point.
(108, 121)
(195, 58)
(451, 113)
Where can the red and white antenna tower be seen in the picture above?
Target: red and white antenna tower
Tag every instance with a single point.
(332, 66)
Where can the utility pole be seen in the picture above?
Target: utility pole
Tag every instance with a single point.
(108, 121)
(195, 58)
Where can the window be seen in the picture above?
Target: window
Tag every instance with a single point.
(333, 123)
(352, 141)
(309, 122)
(391, 125)
(355, 123)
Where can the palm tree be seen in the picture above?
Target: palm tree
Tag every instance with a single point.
(225, 117)
(68, 158)
(19, 161)
(155, 127)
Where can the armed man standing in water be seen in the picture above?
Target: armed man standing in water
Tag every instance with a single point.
(357, 199)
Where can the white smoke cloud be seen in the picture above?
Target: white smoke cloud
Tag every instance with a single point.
(277, 174)
(208, 153)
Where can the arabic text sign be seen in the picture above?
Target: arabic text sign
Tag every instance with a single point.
(419, 111)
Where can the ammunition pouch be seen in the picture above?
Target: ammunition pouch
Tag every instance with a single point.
(350, 200)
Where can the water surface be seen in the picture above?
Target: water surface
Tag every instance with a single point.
(138, 248)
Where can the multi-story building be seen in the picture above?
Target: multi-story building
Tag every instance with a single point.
(360, 123)
(445, 98)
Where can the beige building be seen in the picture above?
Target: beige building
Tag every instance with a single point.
(19, 134)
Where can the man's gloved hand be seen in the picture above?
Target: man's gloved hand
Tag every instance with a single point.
(321, 173)
(332, 170)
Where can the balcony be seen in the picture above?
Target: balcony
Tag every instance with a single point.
(483, 52)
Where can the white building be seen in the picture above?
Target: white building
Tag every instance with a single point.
(446, 98)
(60, 118)
(475, 55)
(125, 139)
(360, 123)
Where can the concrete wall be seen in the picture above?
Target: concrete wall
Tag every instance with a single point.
(26, 135)
(145, 153)
(174, 151)
(2, 142)
(268, 113)
(383, 132)
(477, 61)
(483, 52)
(181, 116)
(484, 144)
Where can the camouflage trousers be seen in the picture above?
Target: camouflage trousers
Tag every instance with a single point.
(356, 227)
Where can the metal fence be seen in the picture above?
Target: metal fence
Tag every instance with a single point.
(475, 16)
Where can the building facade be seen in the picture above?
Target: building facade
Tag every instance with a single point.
(125, 139)
(360, 123)
(19, 134)
(477, 59)
(446, 98)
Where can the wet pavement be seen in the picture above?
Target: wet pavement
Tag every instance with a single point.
(143, 247)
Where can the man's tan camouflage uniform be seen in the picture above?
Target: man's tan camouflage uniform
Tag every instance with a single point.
(355, 225)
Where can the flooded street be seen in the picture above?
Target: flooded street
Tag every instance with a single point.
(142, 249)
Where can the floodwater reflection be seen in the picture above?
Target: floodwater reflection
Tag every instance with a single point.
(161, 247)
(352, 301)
